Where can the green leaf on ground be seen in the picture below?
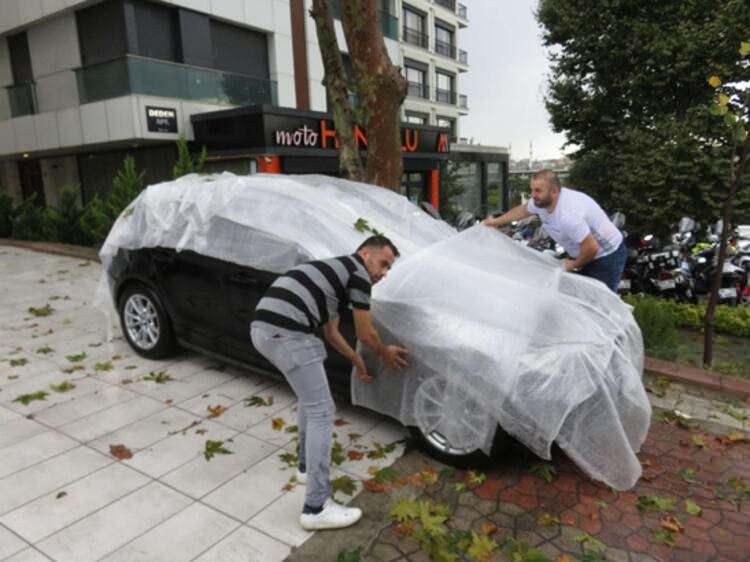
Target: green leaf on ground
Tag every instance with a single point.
(77, 357)
(380, 451)
(733, 411)
(45, 349)
(520, 551)
(693, 508)
(474, 479)
(361, 225)
(548, 520)
(387, 474)
(662, 536)
(591, 543)
(103, 366)
(18, 362)
(481, 547)
(651, 504)
(350, 555)
(258, 401)
(26, 399)
(688, 474)
(130, 367)
(337, 453)
(405, 510)
(45, 310)
(343, 484)
(291, 429)
(162, 377)
(64, 386)
(12, 377)
(544, 470)
(215, 448)
(447, 473)
(73, 369)
(698, 441)
(290, 459)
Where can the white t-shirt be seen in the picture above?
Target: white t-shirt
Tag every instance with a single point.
(577, 215)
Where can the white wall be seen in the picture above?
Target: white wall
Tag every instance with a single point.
(15, 13)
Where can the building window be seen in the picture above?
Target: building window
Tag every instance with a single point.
(413, 186)
(417, 81)
(494, 187)
(469, 177)
(417, 118)
(448, 123)
(444, 43)
(414, 27)
(444, 89)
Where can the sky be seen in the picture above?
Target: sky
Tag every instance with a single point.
(506, 81)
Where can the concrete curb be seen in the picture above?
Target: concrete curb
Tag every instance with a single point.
(658, 367)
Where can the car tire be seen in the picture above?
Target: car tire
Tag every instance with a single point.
(438, 448)
(145, 323)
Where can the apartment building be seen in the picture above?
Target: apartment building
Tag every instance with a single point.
(85, 82)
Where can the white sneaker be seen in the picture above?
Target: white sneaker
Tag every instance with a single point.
(301, 477)
(333, 516)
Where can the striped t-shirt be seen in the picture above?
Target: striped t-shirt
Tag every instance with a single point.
(309, 295)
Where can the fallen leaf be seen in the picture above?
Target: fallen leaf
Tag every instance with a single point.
(355, 455)
(61, 495)
(121, 452)
(693, 508)
(278, 424)
(215, 448)
(216, 411)
(375, 487)
(548, 520)
(670, 523)
(341, 422)
(26, 399)
(481, 547)
(488, 528)
(168, 402)
(698, 441)
(405, 528)
(354, 436)
(343, 484)
(564, 558)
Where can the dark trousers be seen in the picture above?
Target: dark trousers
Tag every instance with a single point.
(608, 269)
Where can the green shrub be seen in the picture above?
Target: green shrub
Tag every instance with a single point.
(34, 223)
(6, 215)
(658, 324)
(185, 163)
(68, 218)
(95, 220)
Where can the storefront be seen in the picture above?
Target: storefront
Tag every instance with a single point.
(270, 139)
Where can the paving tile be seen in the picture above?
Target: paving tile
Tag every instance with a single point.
(7, 415)
(18, 430)
(101, 423)
(246, 545)
(83, 406)
(29, 385)
(280, 520)
(28, 555)
(117, 524)
(199, 476)
(385, 433)
(33, 450)
(10, 543)
(83, 386)
(253, 489)
(48, 514)
(264, 430)
(242, 417)
(35, 481)
(191, 532)
(226, 394)
(177, 449)
(198, 383)
(145, 432)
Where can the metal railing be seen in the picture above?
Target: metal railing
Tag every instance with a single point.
(445, 49)
(21, 99)
(463, 56)
(462, 13)
(414, 37)
(419, 90)
(139, 75)
(463, 101)
(445, 96)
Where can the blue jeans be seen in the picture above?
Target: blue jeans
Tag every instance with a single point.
(608, 269)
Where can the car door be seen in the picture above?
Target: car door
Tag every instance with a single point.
(191, 283)
(243, 288)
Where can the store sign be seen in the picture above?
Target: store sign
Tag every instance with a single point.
(161, 119)
(324, 137)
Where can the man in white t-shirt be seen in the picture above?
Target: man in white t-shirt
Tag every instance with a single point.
(576, 222)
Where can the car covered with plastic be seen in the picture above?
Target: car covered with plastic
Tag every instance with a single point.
(501, 339)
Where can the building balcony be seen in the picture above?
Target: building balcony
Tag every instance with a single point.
(388, 21)
(445, 96)
(414, 37)
(418, 90)
(463, 57)
(463, 101)
(450, 4)
(138, 75)
(21, 100)
(462, 12)
(445, 49)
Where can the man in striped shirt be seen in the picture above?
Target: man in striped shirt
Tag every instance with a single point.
(305, 298)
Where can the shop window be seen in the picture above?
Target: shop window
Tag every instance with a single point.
(494, 187)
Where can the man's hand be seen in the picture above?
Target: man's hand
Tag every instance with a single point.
(359, 365)
(490, 221)
(569, 265)
(395, 357)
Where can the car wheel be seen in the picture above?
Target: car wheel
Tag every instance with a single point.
(145, 323)
(452, 424)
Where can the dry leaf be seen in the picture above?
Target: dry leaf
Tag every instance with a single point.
(339, 422)
(355, 455)
(288, 487)
(670, 523)
(201, 431)
(216, 411)
(488, 528)
(278, 424)
(121, 452)
(564, 558)
(168, 402)
(373, 470)
(376, 487)
(645, 463)
(405, 529)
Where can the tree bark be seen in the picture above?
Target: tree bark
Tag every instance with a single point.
(381, 90)
(350, 163)
(736, 174)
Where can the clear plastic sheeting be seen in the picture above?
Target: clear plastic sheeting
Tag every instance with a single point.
(499, 334)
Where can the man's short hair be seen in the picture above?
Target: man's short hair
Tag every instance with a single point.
(379, 241)
(547, 176)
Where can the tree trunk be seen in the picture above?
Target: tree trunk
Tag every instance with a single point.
(350, 163)
(736, 175)
(381, 90)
